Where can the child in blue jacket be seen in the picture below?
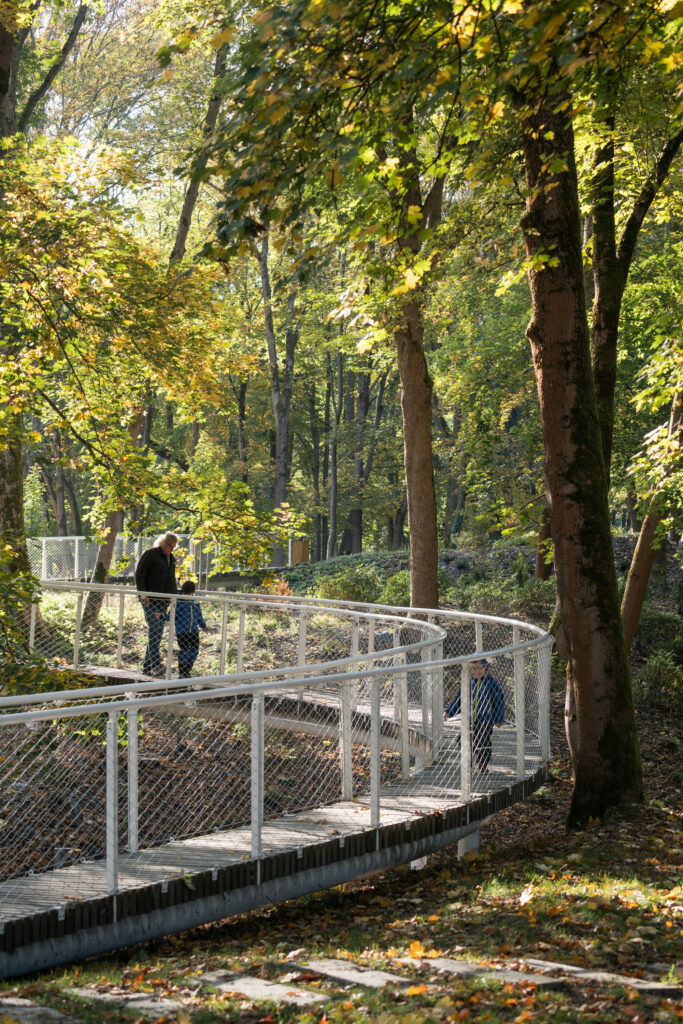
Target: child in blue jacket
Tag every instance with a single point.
(188, 620)
(487, 708)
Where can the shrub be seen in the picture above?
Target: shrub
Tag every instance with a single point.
(397, 589)
(355, 583)
(659, 631)
(659, 683)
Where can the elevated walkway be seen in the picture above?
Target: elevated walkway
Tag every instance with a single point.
(143, 807)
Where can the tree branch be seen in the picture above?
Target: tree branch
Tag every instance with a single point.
(37, 95)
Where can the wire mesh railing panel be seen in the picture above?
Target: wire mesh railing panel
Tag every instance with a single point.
(193, 770)
(53, 807)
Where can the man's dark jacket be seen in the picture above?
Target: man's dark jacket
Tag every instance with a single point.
(155, 572)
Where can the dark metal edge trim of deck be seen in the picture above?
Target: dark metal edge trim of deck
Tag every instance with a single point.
(92, 927)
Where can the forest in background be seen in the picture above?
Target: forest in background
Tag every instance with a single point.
(277, 269)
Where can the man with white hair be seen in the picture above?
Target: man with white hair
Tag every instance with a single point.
(155, 573)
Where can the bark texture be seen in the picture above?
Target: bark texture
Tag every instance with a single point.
(603, 739)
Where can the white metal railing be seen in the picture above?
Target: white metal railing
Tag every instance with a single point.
(301, 704)
(75, 557)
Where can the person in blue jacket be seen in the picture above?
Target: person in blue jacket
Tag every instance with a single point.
(188, 621)
(487, 708)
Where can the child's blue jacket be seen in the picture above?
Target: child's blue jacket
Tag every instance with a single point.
(188, 616)
(487, 703)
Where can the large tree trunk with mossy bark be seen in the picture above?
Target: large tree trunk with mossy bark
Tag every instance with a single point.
(604, 743)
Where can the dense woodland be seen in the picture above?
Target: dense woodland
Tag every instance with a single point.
(379, 274)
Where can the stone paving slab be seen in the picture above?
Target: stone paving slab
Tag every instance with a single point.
(347, 973)
(467, 969)
(607, 977)
(140, 1001)
(261, 988)
(25, 1011)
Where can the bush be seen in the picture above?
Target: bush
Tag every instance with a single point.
(355, 583)
(658, 632)
(659, 683)
(397, 589)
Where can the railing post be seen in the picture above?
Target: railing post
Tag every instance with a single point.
(404, 719)
(119, 637)
(112, 802)
(240, 639)
(520, 724)
(545, 651)
(436, 654)
(224, 637)
(32, 626)
(345, 751)
(132, 777)
(425, 692)
(478, 635)
(397, 676)
(171, 636)
(375, 752)
(77, 629)
(257, 760)
(354, 654)
(77, 560)
(301, 657)
(43, 558)
(465, 732)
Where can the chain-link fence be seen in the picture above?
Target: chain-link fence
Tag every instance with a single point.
(308, 720)
(75, 558)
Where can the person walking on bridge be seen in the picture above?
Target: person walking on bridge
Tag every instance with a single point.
(155, 573)
(487, 708)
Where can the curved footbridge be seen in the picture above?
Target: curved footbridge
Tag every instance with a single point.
(311, 750)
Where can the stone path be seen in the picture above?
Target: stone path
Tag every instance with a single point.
(342, 973)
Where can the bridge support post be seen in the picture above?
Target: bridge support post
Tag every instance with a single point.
(354, 654)
(425, 691)
(520, 725)
(468, 843)
(465, 732)
(257, 741)
(132, 777)
(112, 802)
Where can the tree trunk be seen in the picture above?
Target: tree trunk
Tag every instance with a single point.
(634, 524)
(416, 405)
(281, 385)
(646, 550)
(337, 404)
(543, 567)
(105, 553)
(604, 745)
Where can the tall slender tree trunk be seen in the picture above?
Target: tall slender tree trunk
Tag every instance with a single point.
(416, 406)
(604, 742)
(337, 398)
(281, 385)
(646, 550)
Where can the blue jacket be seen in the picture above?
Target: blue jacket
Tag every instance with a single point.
(487, 703)
(188, 616)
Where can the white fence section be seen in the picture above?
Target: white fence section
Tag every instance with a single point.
(74, 558)
(299, 707)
